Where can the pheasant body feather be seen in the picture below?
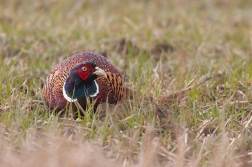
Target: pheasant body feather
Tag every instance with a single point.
(111, 88)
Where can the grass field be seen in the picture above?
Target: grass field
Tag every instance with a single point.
(161, 48)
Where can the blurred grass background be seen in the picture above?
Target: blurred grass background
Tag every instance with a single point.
(160, 47)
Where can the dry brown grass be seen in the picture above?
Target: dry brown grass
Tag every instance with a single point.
(72, 150)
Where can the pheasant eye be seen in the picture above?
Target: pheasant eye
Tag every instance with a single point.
(83, 68)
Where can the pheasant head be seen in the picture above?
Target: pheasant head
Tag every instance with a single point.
(81, 81)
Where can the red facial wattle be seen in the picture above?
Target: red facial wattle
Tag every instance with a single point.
(85, 74)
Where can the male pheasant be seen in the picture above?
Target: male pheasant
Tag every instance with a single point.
(81, 76)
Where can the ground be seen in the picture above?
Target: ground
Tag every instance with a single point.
(198, 52)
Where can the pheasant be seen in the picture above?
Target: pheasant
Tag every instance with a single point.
(81, 76)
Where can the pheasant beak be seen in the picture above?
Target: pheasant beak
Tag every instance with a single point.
(99, 72)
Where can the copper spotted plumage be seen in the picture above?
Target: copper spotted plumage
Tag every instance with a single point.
(80, 76)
